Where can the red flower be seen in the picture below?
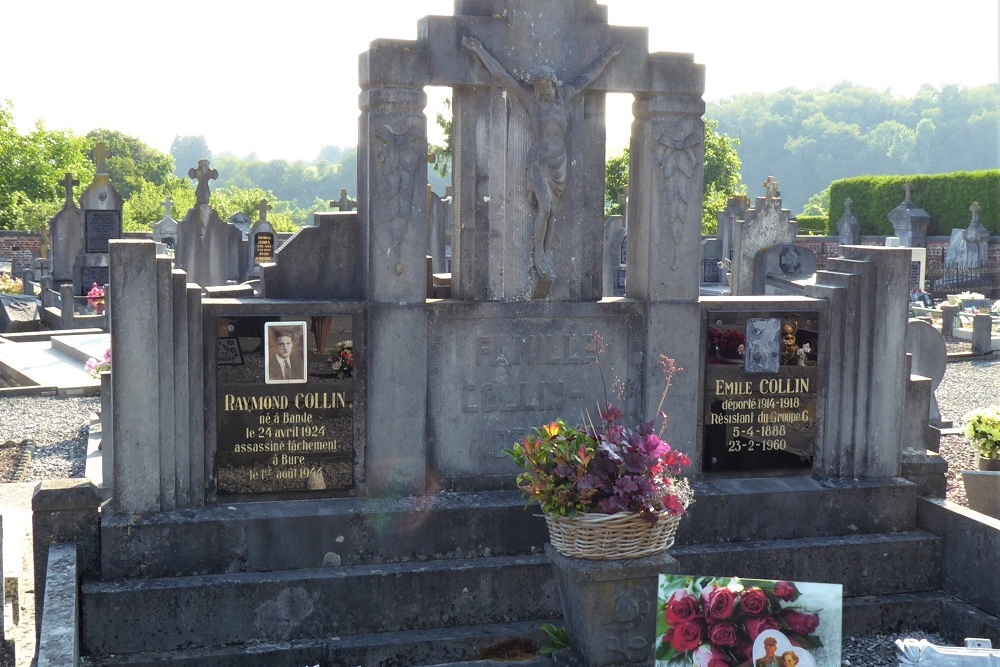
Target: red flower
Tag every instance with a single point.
(786, 591)
(722, 634)
(709, 656)
(681, 607)
(753, 602)
(684, 637)
(800, 622)
(718, 603)
(758, 624)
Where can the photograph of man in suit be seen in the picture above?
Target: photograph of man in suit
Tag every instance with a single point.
(769, 659)
(286, 358)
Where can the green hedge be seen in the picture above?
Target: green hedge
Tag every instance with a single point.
(813, 224)
(945, 197)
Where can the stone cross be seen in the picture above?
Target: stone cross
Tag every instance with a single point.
(263, 207)
(68, 182)
(203, 173)
(771, 188)
(168, 204)
(345, 203)
(906, 193)
(974, 209)
(100, 154)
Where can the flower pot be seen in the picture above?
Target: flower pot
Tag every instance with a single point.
(982, 489)
(989, 464)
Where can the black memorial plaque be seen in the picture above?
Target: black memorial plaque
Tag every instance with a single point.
(760, 391)
(915, 276)
(284, 438)
(89, 275)
(263, 248)
(99, 227)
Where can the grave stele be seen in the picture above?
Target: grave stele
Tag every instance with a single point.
(102, 221)
(764, 226)
(208, 249)
(909, 221)
(262, 237)
(165, 231)
(848, 227)
(65, 234)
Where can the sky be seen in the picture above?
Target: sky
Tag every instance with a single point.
(279, 79)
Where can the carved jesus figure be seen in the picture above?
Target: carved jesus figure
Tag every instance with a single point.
(546, 100)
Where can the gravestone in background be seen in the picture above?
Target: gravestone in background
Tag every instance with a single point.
(786, 262)
(711, 253)
(102, 221)
(165, 231)
(969, 247)
(764, 226)
(262, 241)
(208, 249)
(929, 359)
(848, 227)
(760, 391)
(615, 254)
(65, 235)
(909, 222)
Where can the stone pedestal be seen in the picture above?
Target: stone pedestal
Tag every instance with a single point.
(982, 334)
(610, 606)
(948, 314)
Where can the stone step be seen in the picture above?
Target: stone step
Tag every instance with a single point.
(267, 536)
(864, 564)
(459, 645)
(219, 610)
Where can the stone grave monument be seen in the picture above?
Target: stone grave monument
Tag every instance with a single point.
(375, 464)
(208, 249)
(736, 209)
(969, 247)
(775, 267)
(765, 225)
(848, 227)
(262, 241)
(909, 221)
(101, 206)
(439, 213)
(66, 235)
(165, 231)
(345, 203)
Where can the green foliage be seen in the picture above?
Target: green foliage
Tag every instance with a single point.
(807, 139)
(945, 197)
(812, 224)
(31, 166)
(556, 638)
(232, 200)
(721, 180)
(145, 206)
(132, 162)
(818, 204)
(441, 155)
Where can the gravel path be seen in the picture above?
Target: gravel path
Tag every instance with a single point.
(59, 428)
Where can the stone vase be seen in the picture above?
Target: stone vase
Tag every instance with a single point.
(609, 606)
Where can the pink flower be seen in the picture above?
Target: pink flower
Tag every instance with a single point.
(718, 603)
(710, 656)
(722, 634)
(786, 591)
(758, 624)
(800, 622)
(684, 637)
(753, 602)
(682, 606)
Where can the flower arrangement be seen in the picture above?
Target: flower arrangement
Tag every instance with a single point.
(9, 285)
(607, 469)
(982, 426)
(95, 366)
(95, 297)
(342, 360)
(713, 625)
(727, 343)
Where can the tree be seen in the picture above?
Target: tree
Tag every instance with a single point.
(186, 152)
(132, 162)
(31, 166)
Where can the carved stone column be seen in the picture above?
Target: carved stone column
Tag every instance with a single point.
(664, 235)
(392, 204)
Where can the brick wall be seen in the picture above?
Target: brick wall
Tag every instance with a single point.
(20, 249)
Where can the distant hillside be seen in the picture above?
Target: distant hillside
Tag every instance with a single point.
(807, 139)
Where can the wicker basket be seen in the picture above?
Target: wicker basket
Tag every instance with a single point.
(613, 536)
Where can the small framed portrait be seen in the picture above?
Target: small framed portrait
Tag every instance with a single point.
(285, 352)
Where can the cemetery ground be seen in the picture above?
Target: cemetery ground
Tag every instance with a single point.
(47, 438)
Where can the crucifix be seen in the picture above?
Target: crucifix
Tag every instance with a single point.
(68, 182)
(203, 173)
(345, 203)
(100, 154)
(263, 207)
(168, 204)
(771, 188)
